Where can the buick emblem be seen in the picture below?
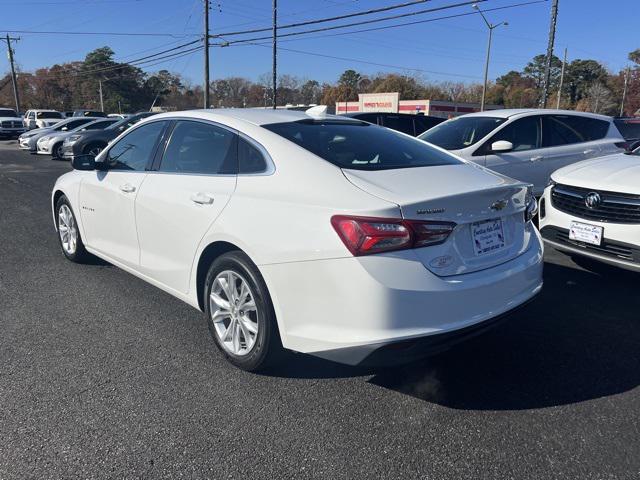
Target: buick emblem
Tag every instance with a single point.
(498, 204)
(592, 200)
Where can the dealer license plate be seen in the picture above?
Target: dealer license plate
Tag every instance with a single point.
(584, 232)
(487, 236)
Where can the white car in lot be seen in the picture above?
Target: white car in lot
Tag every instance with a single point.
(42, 118)
(315, 233)
(592, 209)
(51, 143)
(29, 140)
(10, 123)
(527, 144)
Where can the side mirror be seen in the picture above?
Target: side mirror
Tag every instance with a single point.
(84, 162)
(501, 146)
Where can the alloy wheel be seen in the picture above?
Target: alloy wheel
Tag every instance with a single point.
(234, 313)
(67, 230)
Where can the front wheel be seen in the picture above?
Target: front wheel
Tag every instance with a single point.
(240, 314)
(68, 233)
(57, 151)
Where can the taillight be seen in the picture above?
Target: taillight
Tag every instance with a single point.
(366, 235)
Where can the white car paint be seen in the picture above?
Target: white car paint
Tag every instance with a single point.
(47, 144)
(32, 120)
(532, 165)
(327, 301)
(616, 178)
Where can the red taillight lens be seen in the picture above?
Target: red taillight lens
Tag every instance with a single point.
(365, 235)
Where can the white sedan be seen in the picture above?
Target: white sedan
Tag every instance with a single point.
(315, 233)
(592, 209)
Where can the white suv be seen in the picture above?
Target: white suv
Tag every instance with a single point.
(527, 144)
(42, 118)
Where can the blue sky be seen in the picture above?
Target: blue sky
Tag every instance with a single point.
(451, 49)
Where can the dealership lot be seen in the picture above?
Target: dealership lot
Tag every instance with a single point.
(104, 375)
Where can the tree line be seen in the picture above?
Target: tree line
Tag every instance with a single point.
(587, 85)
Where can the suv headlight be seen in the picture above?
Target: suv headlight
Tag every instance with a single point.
(532, 206)
(44, 139)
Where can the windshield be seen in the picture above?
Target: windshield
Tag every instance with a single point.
(461, 132)
(360, 145)
(49, 115)
(5, 112)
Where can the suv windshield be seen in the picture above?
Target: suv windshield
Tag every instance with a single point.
(461, 132)
(360, 145)
(48, 115)
(5, 112)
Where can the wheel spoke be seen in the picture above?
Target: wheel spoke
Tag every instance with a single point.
(249, 324)
(236, 337)
(219, 301)
(228, 333)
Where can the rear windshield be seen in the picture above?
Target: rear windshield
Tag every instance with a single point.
(629, 128)
(5, 112)
(360, 145)
(461, 132)
(49, 115)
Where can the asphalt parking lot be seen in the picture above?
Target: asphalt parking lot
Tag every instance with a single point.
(103, 375)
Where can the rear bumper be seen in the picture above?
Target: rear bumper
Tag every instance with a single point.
(389, 308)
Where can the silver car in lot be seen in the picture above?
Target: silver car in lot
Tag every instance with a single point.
(28, 140)
(51, 143)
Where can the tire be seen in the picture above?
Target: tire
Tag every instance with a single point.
(254, 343)
(71, 245)
(56, 152)
(93, 149)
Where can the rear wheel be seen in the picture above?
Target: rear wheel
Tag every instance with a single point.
(240, 314)
(68, 233)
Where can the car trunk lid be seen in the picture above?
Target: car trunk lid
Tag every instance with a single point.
(488, 210)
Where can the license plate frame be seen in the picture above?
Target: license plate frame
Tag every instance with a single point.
(586, 233)
(487, 236)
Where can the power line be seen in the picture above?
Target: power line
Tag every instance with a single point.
(335, 27)
(123, 34)
(369, 63)
(397, 25)
(328, 19)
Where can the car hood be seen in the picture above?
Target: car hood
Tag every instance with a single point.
(36, 131)
(615, 173)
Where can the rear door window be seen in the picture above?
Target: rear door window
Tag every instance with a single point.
(198, 147)
(360, 145)
(570, 129)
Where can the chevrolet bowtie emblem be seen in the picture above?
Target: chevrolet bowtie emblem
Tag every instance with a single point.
(499, 204)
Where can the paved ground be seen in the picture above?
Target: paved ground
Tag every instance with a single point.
(102, 375)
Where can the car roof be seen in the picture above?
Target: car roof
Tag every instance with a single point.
(511, 112)
(256, 116)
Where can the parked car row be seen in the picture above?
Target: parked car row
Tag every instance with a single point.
(76, 135)
(337, 237)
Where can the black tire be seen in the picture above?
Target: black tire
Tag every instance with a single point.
(93, 147)
(267, 348)
(80, 254)
(56, 151)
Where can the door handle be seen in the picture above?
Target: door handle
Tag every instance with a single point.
(127, 188)
(537, 158)
(202, 198)
(588, 151)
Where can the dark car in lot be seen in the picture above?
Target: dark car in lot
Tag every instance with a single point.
(88, 113)
(407, 123)
(92, 142)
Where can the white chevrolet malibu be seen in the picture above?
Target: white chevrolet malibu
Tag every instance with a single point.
(313, 233)
(592, 209)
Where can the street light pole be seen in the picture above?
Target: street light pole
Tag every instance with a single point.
(491, 27)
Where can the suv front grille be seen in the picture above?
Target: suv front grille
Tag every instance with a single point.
(613, 207)
(608, 248)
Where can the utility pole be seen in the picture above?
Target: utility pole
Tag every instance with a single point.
(491, 27)
(274, 72)
(547, 66)
(16, 96)
(564, 62)
(624, 91)
(101, 99)
(206, 53)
